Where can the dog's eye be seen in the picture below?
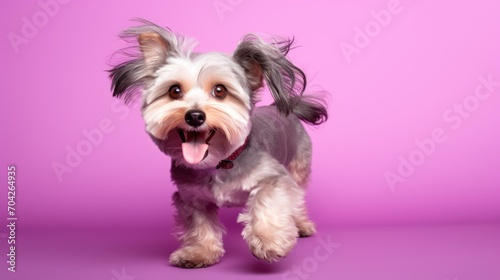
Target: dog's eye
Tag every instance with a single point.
(219, 91)
(175, 92)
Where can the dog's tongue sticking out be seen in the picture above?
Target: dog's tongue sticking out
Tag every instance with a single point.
(194, 149)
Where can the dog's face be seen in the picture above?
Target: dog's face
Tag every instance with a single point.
(197, 106)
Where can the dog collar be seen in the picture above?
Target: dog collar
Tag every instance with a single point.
(228, 162)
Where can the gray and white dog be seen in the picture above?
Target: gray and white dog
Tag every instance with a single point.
(199, 109)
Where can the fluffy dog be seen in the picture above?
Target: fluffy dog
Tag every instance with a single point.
(200, 109)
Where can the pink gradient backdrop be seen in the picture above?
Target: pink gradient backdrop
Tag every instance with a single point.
(394, 90)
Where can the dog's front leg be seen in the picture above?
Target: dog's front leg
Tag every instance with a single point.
(270, 231)
(200, 232)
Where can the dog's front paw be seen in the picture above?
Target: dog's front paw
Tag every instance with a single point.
(271, 244)
(195, 257)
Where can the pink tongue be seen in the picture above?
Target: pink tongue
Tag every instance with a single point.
(193, 151)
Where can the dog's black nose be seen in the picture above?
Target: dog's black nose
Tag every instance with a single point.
(195, 117)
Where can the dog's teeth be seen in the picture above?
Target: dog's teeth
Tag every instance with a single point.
(212, 132)
(181, 134)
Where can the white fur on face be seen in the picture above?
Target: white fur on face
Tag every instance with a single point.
(197, 77)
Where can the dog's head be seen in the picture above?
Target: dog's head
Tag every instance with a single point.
(197, 106)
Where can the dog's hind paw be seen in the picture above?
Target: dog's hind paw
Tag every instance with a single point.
(306, 228)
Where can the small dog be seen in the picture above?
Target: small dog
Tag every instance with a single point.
(199, 109)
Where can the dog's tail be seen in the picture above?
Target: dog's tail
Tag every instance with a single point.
(310, 109)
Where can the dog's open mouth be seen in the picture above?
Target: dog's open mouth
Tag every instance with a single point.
(195, 144)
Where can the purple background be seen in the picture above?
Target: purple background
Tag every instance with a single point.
(403, 82)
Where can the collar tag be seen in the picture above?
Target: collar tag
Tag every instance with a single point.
(228, 163)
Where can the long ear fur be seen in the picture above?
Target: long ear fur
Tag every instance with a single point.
(267, 62)
(151, 46)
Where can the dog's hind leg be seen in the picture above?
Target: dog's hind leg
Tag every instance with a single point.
(305, 226)
(300, 171)
(300, 166)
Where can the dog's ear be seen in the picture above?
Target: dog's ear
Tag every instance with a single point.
(151, 45)
(267, 62)
(154, 48)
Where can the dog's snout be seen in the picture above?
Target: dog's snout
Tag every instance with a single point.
(195, 117)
